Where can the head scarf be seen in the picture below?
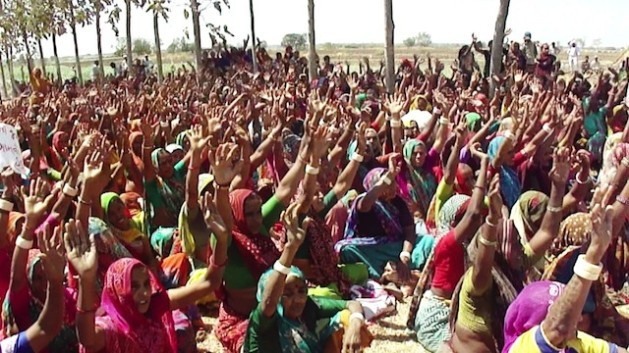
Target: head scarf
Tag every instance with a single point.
(575, 230)
(529, 309)
(127, 329)
(421, 98)
(296, 336)
(509, 182)
(127, 236)
(421, 117)
(182, 138)
(56, 140)
(173, 147)
(290, 146)
(256, 249)
(132, 201)
(172, 191)
(420, 184)
(461, 183)
(161, 241)
(527, 214)
(452, 210)
(12, 231)
(473, 121)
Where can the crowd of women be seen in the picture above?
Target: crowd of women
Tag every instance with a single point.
(302, 206)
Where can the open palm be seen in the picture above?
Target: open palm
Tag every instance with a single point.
(81, 250)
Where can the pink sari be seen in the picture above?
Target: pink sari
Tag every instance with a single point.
(127, 330)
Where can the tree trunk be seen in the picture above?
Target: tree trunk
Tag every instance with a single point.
(158, 47)
(129, 41)
(99, 44)
(5, 93)
(77, 60)
(388, 46)
(11, 71)
(42, 58)
(57, 64)
(496, 48)
(254, 58)
(312, 43)
(196, 29)
(28, 52)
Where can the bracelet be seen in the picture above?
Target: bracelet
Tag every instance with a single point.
(85, 202)
(509, 135)
(357, 316)
(277, 266)
(436, 110)
(547, 128)
(213, 265)
(148, 147)
(625, 162)
(222, 186)
(70, 191)
(553, 209)
(395, 123)
(86, 311)
(386, 180)
(6, 206)
(582, 182)
(22, 243)
(444, 121)
(493, 225)
(312, 170)
(586, 270)
(623, 200)
(491, 244)
(357, 157)
(405, 255)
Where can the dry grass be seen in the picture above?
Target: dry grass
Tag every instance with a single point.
(391, 335)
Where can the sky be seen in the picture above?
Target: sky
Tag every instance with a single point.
(362, 21)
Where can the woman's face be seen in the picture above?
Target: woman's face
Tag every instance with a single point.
(508, 160)
(317, 201)
(467, 174)
(141, 288)
(294, 297)
(117, 215)
(411, 131)
(39, 284)
(166, 165)
(253, 213)
(418, 157)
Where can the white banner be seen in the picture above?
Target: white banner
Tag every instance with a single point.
(10, 152)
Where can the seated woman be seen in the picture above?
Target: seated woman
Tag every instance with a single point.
(288, 320)
(499, 264)
(37, 337)
(139, 313)
(546, 315)
(599, 318)
(380, 227)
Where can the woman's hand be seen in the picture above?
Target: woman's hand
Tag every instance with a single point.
(394, 166)
(197, 140)
(561, 166)
(351, 338)
(52, 253)
(495, 199)
(394, 106)
(361, 141)
(478, 153)
(213, 218)
(602, 220)
(296, 233)
(223, 166)
(96, 172)
(81, 250)
(36, 203)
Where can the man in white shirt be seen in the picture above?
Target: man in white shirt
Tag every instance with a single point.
(573, 57)
(96, 71)
(122, 68)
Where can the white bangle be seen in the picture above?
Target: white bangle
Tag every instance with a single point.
(6, 205)
(586, 270)
(395, 123)
(386, 180)
(23, 243)
(277, 266)
(70, 191)
(444, 121)
(405, 255)
(312, 170)
(547, 128)
(488, 243)
(357, 316)
(164, 124)
(510, 135)
(436, 110)
(358, 158)
(553, 209)
(589, 178)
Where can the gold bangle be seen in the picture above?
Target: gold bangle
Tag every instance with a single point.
(553, 209)
(486, 242)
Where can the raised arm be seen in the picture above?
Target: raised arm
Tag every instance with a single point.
(449, 173)
(49, 323)
(544, 237)
(147, 149)
(366, 203)
(466, 229)
(224, 170)
(394, 106)
(563, 316)
(346, 178)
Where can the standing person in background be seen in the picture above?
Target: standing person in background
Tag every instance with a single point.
(530, 52)
(148, 65)
(95, 71)
(573, 57)
(123, 67)
(585, 65)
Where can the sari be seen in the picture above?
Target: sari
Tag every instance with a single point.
(510, 187)
(172, 191)
(419, 185)
(258, 253)
(132, 237)
(13, 229)
(126, 329)
(56, 159)
(21, 309)
(527, 214)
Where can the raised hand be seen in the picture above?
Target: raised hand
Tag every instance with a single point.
(361, 140)
(197, 140)
(495, 199)
(96, 170)
(296, 233)
(213, 218)
(319, 143)
(80, 249)
(395, 105)
(394, 166)
(37, 201)
(561, 166)
(223, 163)
(477, 152)
(52, 253)
(602, 220)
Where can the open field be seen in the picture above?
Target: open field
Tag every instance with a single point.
(338, 53)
